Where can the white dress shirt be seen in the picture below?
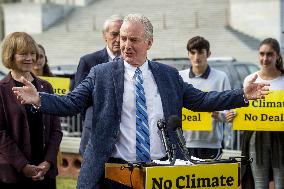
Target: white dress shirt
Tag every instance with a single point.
(125, 148)
(111, 56)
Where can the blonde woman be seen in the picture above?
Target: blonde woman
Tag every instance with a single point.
(29, 140)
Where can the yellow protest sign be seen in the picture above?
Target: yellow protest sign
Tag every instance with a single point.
(196, 120)
(217, 176)
(60, 85)
(262, 115)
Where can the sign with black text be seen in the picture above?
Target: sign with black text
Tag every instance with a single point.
(60, 85)
(217, 176)
(263, 114)
(196, 120)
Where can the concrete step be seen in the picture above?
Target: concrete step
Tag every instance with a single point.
(174, 23)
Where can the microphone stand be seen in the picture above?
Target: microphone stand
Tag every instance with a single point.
(182, 146)
(170, 148)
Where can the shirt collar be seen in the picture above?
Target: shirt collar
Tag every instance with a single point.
(130, 70)
(110, 54)
(204, 75)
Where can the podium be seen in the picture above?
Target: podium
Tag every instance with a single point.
(217, 176)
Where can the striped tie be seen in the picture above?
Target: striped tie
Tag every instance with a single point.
(142, 128)
(116, 58)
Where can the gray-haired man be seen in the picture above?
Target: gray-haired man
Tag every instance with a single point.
(111, 29)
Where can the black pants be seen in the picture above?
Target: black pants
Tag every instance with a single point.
(47, 183)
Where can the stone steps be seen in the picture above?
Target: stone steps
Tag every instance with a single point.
(174, 23)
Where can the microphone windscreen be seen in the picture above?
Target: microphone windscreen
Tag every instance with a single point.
(174, 122)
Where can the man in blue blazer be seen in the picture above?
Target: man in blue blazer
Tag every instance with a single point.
(112, 90)
(111, 29)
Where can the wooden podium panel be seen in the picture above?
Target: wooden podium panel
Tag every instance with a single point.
(217, 176)
(122, 174)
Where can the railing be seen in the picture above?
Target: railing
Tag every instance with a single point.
(71, 125)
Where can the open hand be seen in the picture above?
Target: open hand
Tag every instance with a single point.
(27, 94)
(253, 91)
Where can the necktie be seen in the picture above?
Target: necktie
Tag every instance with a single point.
(116, 58)
(142, 128)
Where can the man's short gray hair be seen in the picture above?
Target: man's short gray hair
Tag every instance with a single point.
(148, 27)
(112, 18)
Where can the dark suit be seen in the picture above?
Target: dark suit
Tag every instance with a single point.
(104, 87)
(15, 146)
(84, 67)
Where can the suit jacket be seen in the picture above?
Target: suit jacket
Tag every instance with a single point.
(15, 147)
(104, 87)
(84, 67)
(87, 62)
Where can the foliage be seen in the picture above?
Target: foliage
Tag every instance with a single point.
(66, 183)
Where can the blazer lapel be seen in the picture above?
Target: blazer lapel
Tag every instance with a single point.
(104, 57)
(118, 80)
(14, 102)
(162, 87)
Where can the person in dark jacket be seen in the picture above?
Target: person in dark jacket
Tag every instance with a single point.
(110, 52)
(29, 140)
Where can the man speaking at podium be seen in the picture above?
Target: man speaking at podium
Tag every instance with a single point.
(128, 98)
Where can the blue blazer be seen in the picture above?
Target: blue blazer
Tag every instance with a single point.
(84, 67)
(103, 88)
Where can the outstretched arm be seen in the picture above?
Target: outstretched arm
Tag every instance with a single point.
(71, 104)
(197, 100)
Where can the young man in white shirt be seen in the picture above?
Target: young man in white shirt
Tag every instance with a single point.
(205, 144)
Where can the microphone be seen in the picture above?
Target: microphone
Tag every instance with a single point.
(161, 124)
(174, 123)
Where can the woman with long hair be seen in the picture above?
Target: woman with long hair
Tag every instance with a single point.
(41, 67)
(266, 148)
